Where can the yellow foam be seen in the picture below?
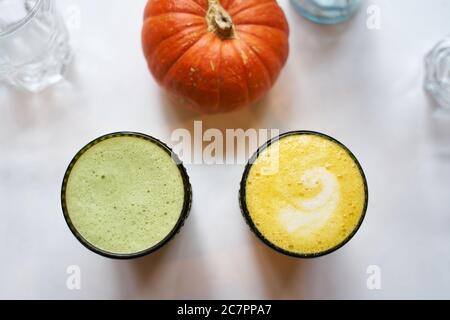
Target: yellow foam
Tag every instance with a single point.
(305, 194)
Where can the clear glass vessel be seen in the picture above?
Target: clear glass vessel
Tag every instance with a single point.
(34, 44)
(437, 73)
(327, 11)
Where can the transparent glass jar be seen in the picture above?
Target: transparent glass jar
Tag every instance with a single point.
(34, 44)
(327, 11)
(437, 73)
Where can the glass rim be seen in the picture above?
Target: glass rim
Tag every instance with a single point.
(22, 22)
(333, 6)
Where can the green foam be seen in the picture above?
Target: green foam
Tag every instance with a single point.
(125, 195)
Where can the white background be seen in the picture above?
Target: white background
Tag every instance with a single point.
(363, 87)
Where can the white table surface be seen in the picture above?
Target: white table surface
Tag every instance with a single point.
(361, 86)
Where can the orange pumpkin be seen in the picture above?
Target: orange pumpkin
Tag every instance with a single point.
(215, 55)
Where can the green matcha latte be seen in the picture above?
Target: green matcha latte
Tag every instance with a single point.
(124, 194)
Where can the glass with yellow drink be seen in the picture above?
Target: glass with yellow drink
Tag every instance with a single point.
(304, 194)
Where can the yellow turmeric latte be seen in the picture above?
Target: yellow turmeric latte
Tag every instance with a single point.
(305, 194)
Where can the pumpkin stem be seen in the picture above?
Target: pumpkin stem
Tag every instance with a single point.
(219, 20)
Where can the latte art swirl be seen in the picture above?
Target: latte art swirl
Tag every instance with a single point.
(314, 212)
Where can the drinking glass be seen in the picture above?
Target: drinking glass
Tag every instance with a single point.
(327, 11)
(437, 78)
(34, 44)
